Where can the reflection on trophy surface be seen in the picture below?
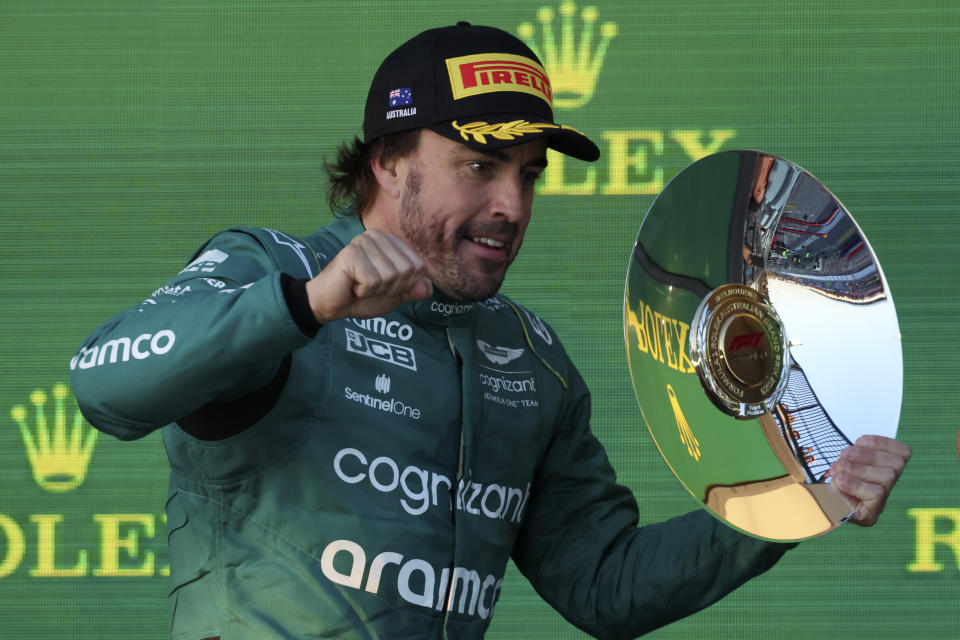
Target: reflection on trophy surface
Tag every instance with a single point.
(792, 336)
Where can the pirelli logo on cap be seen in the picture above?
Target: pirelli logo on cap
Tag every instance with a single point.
(492, 72)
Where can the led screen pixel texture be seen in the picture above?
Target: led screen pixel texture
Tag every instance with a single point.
(131, 131)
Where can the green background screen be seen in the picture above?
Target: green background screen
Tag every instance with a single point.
(132, 131)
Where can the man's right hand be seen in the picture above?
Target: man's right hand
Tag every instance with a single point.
(374, 274)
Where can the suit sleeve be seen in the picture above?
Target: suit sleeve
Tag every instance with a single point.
(582, 550)
(216, 331)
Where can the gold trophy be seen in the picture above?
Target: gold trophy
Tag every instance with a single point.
(762, 340)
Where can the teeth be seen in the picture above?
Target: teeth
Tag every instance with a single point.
(496, 244)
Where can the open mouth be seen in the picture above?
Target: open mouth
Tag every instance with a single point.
(488, 242)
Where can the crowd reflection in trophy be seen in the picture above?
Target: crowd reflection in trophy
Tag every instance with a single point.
(803, 236)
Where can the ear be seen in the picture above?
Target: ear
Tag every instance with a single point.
(388, 172)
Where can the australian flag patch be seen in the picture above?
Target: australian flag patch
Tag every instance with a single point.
(401, 97)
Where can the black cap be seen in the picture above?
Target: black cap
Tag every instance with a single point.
(476, 85)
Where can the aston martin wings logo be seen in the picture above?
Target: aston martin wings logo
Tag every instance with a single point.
(499, 355)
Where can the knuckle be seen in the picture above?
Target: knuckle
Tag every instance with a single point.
(389, 273)
(873, 491)
(889, 476)
(842, 481)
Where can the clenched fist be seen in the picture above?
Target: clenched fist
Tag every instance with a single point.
(374, 274)
(865, 474)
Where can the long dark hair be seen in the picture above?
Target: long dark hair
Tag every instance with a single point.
(351, 178)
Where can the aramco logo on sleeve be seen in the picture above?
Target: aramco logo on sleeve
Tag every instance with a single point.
(59, 453)
(572, 63)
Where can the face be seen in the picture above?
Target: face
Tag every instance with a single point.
(465, 211)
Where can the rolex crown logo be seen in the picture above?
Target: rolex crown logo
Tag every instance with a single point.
(686, 435)
(59, 460)
(573, 66)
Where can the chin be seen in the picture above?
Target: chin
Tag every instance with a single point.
(474, 293)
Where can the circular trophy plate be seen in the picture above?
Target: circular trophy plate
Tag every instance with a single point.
(738, 348)
(762, 340)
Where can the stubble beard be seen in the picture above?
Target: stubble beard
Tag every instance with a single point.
(439, 254)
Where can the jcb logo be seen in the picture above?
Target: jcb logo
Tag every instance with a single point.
(392, 353)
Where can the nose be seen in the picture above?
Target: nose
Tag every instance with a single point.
(511, 200)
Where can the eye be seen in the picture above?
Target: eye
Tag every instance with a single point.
(480, 167)
(531, 177)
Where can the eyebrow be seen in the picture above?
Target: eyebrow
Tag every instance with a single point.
(498, 154)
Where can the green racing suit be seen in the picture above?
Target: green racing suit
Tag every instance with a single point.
(370, 478)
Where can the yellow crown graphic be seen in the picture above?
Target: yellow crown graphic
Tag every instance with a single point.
(686, 435)
(59, 463)
(573, 67)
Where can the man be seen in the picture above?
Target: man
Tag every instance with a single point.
(361, 431)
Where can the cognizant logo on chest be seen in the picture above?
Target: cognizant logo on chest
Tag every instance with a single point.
(423, 489)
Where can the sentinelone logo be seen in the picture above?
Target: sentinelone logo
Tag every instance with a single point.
(59, 449)
(574, 58)
(387, 405)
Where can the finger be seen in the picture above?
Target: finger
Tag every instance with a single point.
(362, 268)
(875, 458)
(884, 476)
(382, 283)
(417, 284)
(865, 498)
(409, 265)
(407, 250)
(865, 514)
(400, 267)
(884, 443)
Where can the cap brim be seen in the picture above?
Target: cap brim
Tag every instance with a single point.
(496, 131)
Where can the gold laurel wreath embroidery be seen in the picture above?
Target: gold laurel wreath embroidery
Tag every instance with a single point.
(501, 130)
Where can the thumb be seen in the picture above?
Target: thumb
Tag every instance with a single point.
(422, 288)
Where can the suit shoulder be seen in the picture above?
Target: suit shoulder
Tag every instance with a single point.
(538, 336)
(292, 254)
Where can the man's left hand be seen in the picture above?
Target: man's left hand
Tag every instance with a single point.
(865, 473)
